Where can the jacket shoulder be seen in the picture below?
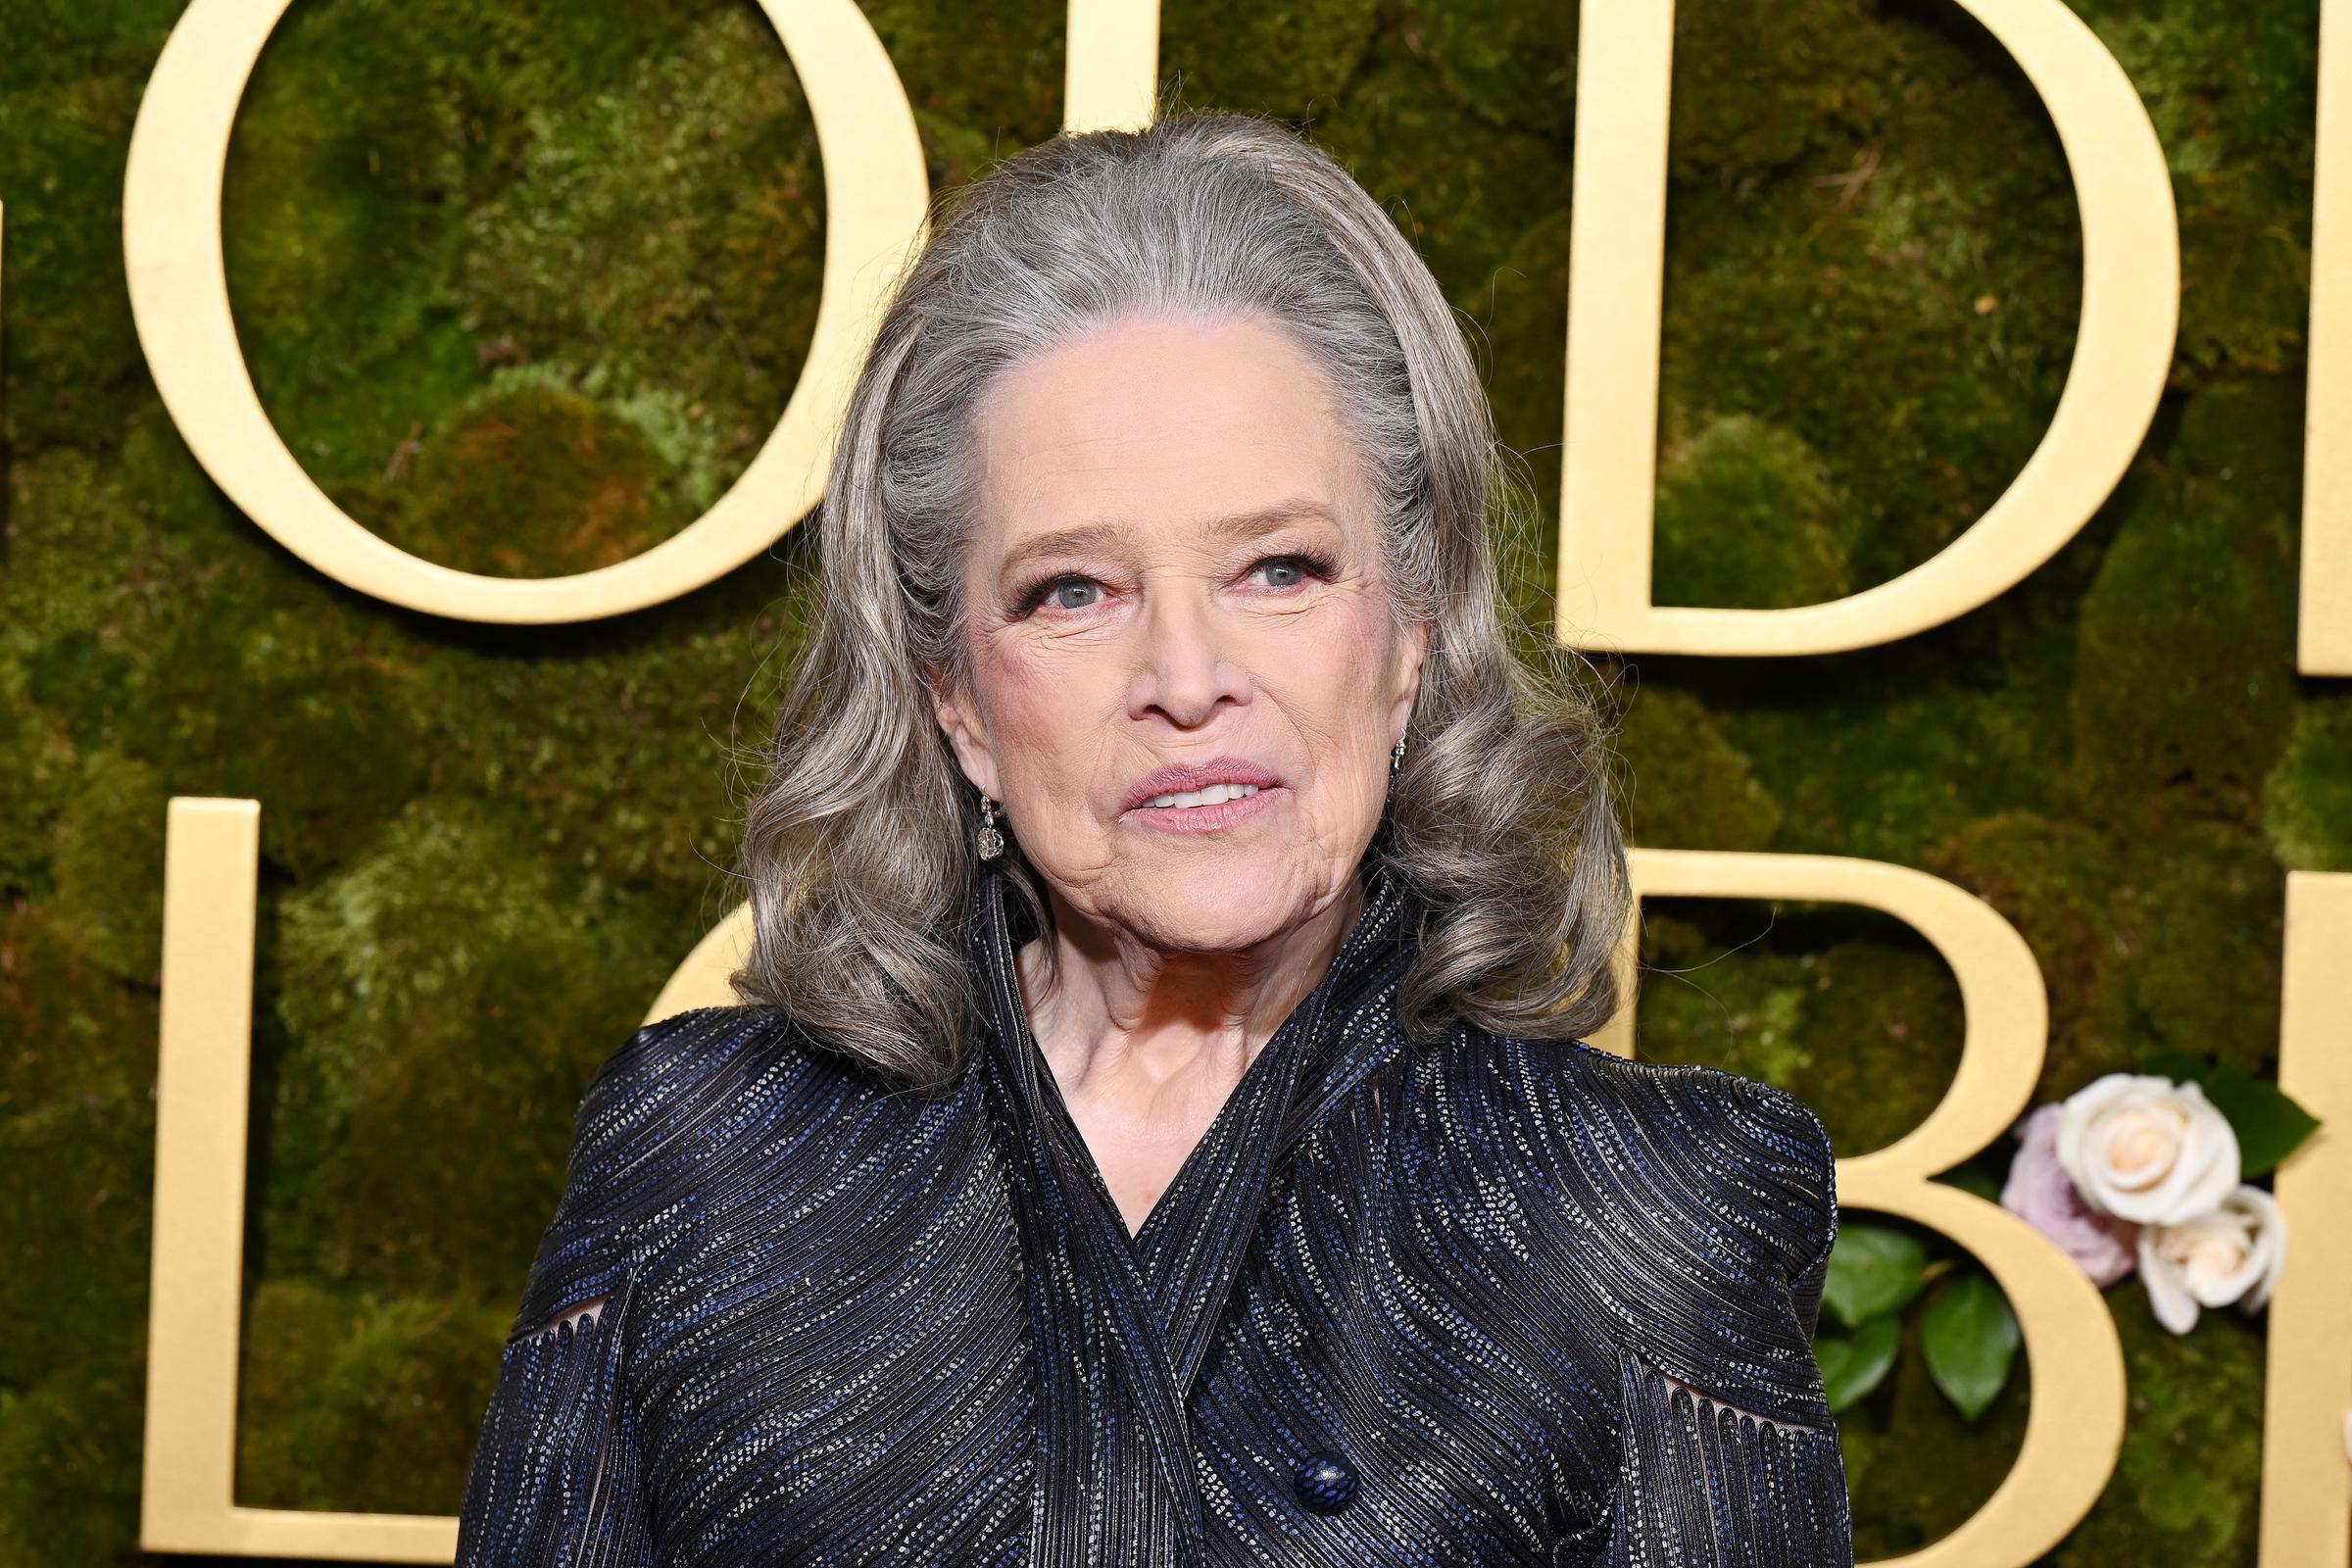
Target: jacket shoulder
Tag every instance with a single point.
(1702, 1206)
(673, 1108)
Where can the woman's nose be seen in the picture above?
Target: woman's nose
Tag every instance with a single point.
(1184, 665)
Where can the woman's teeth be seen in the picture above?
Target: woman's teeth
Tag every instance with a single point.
(1213, 794)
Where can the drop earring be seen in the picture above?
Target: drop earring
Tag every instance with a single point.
(1396, 758)
(990, 843)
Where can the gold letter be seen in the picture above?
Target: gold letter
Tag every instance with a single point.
(187, 1503)
(2325, 623)
(2307, 1386)
(212, 858)
(1111, 65)
(1616, 264)
(876, 195)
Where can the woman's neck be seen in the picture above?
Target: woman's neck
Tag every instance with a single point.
(1110, 1010)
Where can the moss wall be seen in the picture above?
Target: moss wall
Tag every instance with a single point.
(523, 283)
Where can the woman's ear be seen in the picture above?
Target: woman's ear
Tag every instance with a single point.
(1412, 649)
(967, 734)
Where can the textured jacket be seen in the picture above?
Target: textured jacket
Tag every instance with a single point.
(1468, 1301)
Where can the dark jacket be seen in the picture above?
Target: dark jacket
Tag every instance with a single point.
(1404, 1304)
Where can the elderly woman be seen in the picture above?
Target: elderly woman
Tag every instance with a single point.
(1157, 1131)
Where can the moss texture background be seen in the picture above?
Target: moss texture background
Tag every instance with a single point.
(523, 284)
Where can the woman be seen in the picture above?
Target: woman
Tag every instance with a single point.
(1157, 1131)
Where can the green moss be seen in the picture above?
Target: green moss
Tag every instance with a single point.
(1839, 1005)
(2188, 1482)
(69, 332)
(2307, 800)
(76, 1131)
(1524, 313)
(1758, 91)
(701, 280)
(110, 869)
(1689, 786)
(450, 989)
(2054, 880)
(60, 41)
(2185, 685)
(2201, 912)
(73, 588)
(536, 452)
(256, 693)
(1261, 59)
(1747, 517)
(456, 205)
(1884, 755)
(1891, 1005)
(67, 1497)
(2234, 107)
(354, 1401)
(985, 80)
(1901, 300)
(1513, 65)
(1463, 208)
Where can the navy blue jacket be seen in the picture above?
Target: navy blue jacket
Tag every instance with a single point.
(1468, 1301)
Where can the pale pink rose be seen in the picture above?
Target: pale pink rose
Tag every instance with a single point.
(2041, 1193)
(2234, 1254)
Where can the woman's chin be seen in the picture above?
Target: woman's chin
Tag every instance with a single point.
(1216, 908)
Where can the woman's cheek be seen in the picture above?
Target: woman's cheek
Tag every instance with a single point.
(1049, 729)
(1333, 679)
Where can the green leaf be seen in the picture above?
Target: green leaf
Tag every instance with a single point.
(1874, 1269)
(1970, 1338)
(1851, 1365)
(2269, 1125)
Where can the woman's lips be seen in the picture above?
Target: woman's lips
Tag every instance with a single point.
(1207, 819)
(1183, 778)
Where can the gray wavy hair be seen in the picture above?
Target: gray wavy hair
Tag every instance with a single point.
(857, 846)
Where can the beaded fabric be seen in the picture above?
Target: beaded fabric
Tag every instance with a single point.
(1471, 1301)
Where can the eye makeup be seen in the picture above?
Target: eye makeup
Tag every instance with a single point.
(1032, 593)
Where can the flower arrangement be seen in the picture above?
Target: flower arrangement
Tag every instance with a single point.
(2151, 1176)
(2145, 1172)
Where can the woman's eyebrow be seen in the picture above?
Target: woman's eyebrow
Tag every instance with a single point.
(1233, 525)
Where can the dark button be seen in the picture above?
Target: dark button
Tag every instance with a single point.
(1325, 1485)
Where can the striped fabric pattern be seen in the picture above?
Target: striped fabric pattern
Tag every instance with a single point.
(1465, 1301)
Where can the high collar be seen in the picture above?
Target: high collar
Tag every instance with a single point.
(1123, 1323)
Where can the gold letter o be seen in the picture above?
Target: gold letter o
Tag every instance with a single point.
(877, 194)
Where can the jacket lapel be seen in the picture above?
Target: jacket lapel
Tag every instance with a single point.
(1196, 1239)
(1114, 1479)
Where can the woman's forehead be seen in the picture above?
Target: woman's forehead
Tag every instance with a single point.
(1153, 423)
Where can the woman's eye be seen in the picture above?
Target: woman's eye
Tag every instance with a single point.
(1074, 592)
(1282, 572)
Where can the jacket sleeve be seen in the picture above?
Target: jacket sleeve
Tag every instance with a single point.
(1730, 1457)
(555, 1469)
(555, 1476)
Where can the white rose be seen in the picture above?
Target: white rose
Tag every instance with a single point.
(2147, 1150)
(2232, 1254)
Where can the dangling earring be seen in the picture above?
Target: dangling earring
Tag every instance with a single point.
(991, 842)
(1396, 758)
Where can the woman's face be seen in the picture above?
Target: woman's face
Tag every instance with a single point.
(1176, 569)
